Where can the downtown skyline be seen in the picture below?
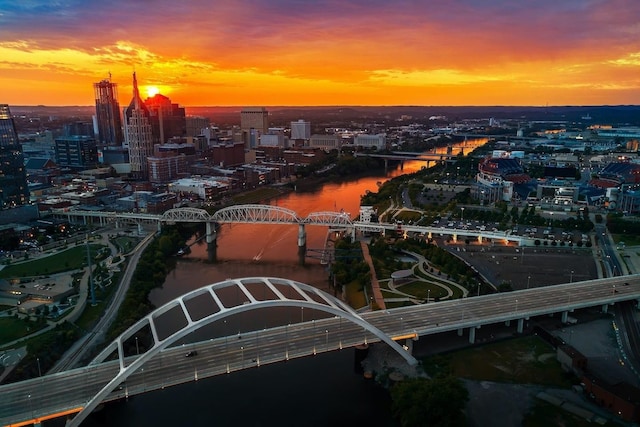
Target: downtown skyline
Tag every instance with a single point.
(294, 52)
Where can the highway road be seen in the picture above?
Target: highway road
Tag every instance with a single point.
(71, 389)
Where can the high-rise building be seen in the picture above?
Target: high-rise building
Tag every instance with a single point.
(77, 151)
(13, 177)
(254, 122)
(138, 133)
(300, 132)
(167, 119)
(196, 124)
(107, 119)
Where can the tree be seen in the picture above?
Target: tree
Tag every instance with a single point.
(430, 402)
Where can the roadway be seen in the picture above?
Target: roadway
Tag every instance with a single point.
(71, 389)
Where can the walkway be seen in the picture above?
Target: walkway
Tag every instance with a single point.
(375, 285)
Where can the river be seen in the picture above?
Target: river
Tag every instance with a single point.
(312, 391)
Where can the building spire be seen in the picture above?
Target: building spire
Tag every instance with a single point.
(136, 92)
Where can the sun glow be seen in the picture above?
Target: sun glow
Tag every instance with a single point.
(152, 91)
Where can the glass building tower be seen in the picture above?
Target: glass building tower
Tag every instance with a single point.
(13, 177)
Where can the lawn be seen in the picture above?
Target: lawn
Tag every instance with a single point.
(422, 290)
(125, 243)
(13, 329)
(70, 259)
(526, 360)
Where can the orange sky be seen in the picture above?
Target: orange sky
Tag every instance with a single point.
(297, 52)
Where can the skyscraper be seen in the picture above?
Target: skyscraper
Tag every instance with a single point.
(138, 133)
(13, 178)
(108, 121)
(167, 120)
(254, 122)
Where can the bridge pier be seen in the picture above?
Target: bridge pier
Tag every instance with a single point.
(507, 323)
(386, 165)
(565, 317)
(472, 335)
(460, 331)
(408, 345)
(605, 308)
(140, 229)
(212, 244)
(302, 243)
(520, 325)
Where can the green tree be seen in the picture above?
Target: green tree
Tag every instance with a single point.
(430, 402)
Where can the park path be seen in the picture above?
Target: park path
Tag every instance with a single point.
(375, 285)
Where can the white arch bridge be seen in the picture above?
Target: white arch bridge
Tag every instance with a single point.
(164, 363)
(214, 303)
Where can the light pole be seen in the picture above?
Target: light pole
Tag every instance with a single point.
(326, 339)
(528, 281)
(462, 214)
(242, 355)
(428, 295)
(301, 314)
(286, 338)
(137, 348)
(571, 277)
(39, 371)
(516, 306)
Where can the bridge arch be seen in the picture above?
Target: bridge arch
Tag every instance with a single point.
(329, 218)
(185, 215)
(252, 213)
(304, 295)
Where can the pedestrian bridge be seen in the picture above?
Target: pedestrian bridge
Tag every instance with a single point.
(161, 365)
(268, 214)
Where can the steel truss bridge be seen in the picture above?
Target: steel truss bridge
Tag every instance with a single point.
(267, 214)
(164, 364)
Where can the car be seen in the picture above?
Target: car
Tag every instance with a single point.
(191, 353)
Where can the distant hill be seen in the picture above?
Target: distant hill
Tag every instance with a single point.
(605, 114)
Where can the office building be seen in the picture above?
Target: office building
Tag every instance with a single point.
(138, 134)
(108, 122)
(300, 132)
(77, 152)
(196, 124)
(167, 119)
(254, 122)
(13, 177)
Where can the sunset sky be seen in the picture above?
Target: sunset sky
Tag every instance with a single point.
(317, 52)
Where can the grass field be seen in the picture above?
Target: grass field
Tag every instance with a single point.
(13, 329)
(125, 243)
(69, 259)
(526, 360)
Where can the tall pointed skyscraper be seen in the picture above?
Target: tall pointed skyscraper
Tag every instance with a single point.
(108, 122)
(138, 134)
(13, 178)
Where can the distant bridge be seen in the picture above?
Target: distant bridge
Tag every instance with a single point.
(268, 214)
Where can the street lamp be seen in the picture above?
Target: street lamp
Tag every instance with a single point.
(242, 355)
(39, 371)
(528, 281)
(326, 339)
(462, 214)
(516, 306)
(428, 295)
(571, 277)
(137, 348)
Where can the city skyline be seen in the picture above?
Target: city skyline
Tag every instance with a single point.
(291, 52)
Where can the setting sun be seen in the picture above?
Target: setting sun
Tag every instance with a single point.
(152, 91)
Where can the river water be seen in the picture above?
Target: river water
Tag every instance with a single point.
(313, 391)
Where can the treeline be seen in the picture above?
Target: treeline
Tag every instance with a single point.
(155, 263)
(617, 224)
(44, 351)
